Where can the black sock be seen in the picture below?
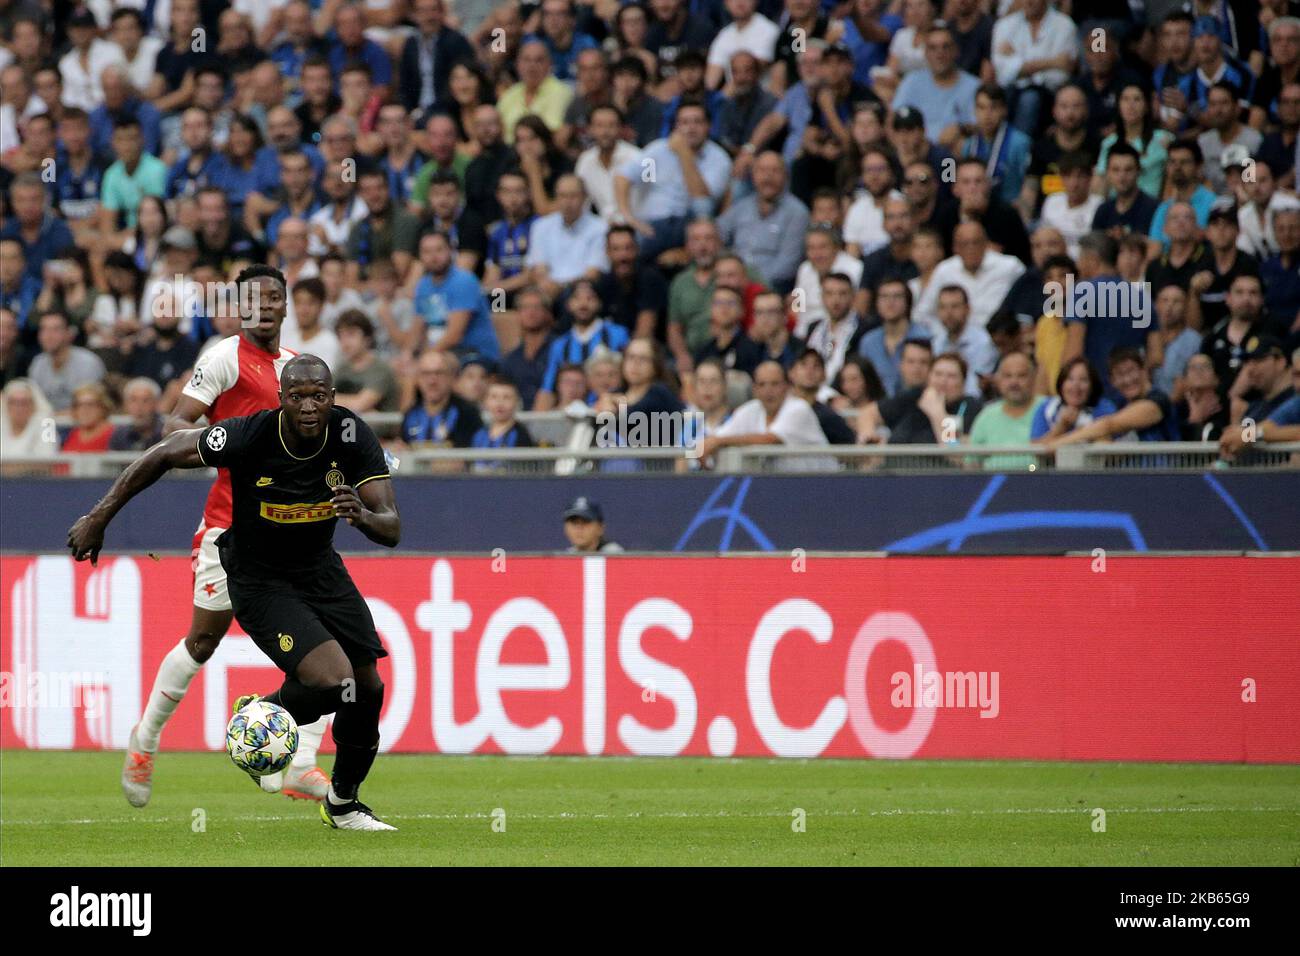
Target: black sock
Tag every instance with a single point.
(351, 765)
(306, 704)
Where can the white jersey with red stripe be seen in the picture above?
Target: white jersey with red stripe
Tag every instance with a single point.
(233, 378)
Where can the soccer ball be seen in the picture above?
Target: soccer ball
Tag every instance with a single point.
(261, 738)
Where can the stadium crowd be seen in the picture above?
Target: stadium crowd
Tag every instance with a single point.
(985, 221)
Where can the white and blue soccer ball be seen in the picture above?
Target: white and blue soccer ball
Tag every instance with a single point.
(261, 738)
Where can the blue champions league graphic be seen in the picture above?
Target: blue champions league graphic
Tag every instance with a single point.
(967, 513)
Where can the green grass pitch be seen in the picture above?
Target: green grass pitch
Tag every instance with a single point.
(65, 809)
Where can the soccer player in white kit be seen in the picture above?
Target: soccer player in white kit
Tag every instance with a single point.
(238, 376)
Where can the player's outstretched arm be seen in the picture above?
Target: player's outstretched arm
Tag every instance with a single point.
(371, 509)
(177, 450)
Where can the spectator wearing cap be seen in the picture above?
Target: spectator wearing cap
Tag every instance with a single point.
(634, 293)
(42, 235)
(808, 381)
(538, 91)
(774, 416)
(526, 364)
(691, 176)
(82, 67)
(943, 93)
(1213, 64)
(1129, 209)
(584, 526)
(985, 274)
(1224, 263)
(1184, 185)
(439, 416)
(1263, 382)
(364, 381)
(140, 400)
(748, 31)
(428, 56)
(1004, 149)
(1224, 130)
(590, 332)
(1282, 424)
(567, 244)
(1034, 52)
(905, 131)
(1281, 272)
(883, 346)
(1225, 342)
(62, 367)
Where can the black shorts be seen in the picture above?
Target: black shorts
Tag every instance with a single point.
(289, 617)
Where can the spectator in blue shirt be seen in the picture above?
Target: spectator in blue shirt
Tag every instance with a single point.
(691, 175)
(1185, 185)
(300, 43)
(42, 235)
(561, 39)
(502, 429)
(18, 288)
(588, 334)
(1280, 274)
(1004, 148)
(350, 43)
(868, 31)
(198, 165)
(235, 173)
(1144, 413)
(1079, 401)
(119, 103)
(1213, 65)
(944, 94)
(883, 346)
(449, 301)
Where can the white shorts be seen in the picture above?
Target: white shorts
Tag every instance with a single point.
(209, 576)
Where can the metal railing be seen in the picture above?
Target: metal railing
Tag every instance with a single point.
(758, 459)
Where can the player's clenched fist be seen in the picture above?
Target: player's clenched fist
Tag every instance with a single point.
(347, 505)
(85, 538)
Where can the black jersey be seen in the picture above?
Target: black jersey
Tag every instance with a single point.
(283, 520)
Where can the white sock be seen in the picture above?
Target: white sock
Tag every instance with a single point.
(174, 675)
(334, 798)
(309, 738)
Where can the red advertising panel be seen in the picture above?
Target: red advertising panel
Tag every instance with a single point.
(1037, 657)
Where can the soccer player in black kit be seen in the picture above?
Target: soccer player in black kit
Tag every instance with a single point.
(295, 471)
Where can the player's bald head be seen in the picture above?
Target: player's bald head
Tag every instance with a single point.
(305, 370)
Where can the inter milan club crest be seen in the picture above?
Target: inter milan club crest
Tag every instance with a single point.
(286, 642)
(333, 477)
